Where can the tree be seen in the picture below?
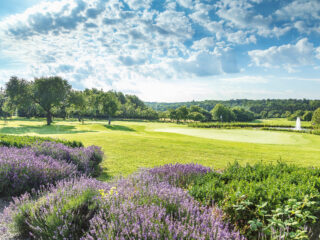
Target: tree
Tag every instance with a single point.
(242, 115)
(316, 118)
(222, 113)
(19, 92)
(173, 114)
(50, 92)
(307, 116)
(196, 116)
(78, 102)
(109, 104)
(182, 113)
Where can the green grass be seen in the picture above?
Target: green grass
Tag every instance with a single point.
(131, 145)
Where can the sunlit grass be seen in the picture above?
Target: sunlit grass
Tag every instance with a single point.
(130, 145)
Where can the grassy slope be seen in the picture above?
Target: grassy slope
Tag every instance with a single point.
(131, 145)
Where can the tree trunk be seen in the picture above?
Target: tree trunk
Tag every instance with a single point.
(49, 118)
(109, 120)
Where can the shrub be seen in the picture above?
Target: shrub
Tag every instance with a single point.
(143, 206)
(279, 201)
(148, 207)
(243, 125)
(57, 212)
(316, 118)
(23, 141)
(22, 170)
(178, 175)
(86, 159)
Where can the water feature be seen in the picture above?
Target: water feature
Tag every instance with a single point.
(298, 124)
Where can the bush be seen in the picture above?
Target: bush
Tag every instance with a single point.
(22, 170)
(23, 141)
(243, 125)
(278, 201)
(57, 212)
(143, 206)
(316, 118)
(86, 159)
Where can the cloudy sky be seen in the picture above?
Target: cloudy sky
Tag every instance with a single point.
(165, 50)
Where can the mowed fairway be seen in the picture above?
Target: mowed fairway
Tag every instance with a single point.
(131, 145)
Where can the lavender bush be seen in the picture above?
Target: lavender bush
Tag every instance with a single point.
(87, 159)
(179, 175)
(21, 170)
(143, 206)
(60, 211)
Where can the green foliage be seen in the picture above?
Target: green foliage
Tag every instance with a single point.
(75, 208)
(242, 115)
(307, 116)
(243, 125)
(196, 116)
(222, 113)
(264, 108)
(22, 141)
(78, 104)
(182, 112)
(278, 200)
(295, 115)
(316, 118)
(109, 104)
(50, 92)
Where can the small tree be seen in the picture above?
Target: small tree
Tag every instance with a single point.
(173, 114)
(196, 116)
(109, 104)
(316, 118)
(78, 102)
(182, 112)
(50, 92)
(222, 113)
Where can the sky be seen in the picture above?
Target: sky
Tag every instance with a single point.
(165, 50)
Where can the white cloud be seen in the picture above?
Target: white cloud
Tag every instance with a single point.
(299, 9)
(203, 43)
(288, 56)
(186, 3)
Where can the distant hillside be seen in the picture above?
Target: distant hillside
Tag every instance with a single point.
(272, 106)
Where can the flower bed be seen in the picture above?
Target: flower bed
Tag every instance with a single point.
(22, 170)
(86, 159)
(146, 205)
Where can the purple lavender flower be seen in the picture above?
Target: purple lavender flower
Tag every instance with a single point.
(147, 205)
(21, 170)
(86, 159)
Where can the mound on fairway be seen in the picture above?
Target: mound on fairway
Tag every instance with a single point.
(241, 135)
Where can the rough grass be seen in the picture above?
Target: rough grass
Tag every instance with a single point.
(131, 145)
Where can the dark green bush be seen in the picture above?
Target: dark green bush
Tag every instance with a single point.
(275, 200)
(240, 125)
(23, 141)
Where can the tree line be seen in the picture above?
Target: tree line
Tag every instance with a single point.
(219, 113)
(54, 96)
(266, 108)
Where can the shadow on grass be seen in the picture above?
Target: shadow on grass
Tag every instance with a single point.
(104, 176)
(119, 128)
(41, 129)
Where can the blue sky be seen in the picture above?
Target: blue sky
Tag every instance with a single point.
(165, 50)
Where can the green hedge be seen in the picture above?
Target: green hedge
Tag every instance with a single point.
(240, 125)
(265, 200)
(22, 141)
